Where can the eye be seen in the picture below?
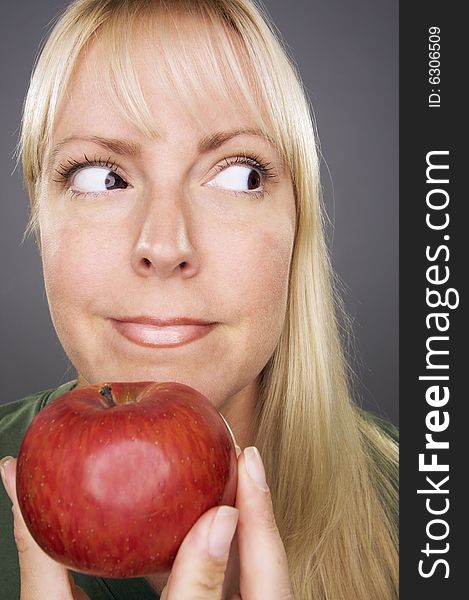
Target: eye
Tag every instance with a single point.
(96, 179)
(238, 177)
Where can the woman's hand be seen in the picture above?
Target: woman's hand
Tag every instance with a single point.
(41, 577)
(199, 568)
(257, 565)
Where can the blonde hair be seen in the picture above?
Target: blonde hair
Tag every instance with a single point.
(330, 470)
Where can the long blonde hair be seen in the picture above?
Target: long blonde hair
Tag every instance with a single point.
(330, 470)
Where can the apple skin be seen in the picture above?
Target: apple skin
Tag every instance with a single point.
(111, 487)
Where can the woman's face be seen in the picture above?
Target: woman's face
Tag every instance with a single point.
(164, 229)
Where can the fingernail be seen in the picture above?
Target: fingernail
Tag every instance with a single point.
(254, 467)
(3, 462)
(221, 531)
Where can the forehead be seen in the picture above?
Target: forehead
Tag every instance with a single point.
(183, 70)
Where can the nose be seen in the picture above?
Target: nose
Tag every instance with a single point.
(163, 246)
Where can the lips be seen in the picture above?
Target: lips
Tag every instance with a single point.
(162, 333)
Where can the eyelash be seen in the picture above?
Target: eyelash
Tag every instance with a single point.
(65, 171)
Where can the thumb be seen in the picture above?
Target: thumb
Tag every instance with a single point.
(42, 578)
(199, 569)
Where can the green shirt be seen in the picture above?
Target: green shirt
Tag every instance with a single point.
(14, 420)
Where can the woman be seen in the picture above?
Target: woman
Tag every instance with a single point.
(170, 159)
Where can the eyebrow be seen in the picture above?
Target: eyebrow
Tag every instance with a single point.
(123, 147)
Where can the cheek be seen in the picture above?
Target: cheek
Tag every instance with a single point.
(257, 264)
(270, 268)
(77, 265)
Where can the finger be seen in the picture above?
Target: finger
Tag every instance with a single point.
(263, 561)
(41, 577)
(200, 565)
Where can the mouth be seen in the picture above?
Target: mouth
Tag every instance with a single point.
(153, 332)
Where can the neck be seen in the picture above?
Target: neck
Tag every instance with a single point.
(238, 410)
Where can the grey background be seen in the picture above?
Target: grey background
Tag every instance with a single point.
(348, 57)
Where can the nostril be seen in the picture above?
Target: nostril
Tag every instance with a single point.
(182, 265)
(147, 262)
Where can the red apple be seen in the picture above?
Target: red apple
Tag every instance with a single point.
(111, 477)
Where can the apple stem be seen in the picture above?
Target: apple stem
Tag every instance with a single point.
(106, 393)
